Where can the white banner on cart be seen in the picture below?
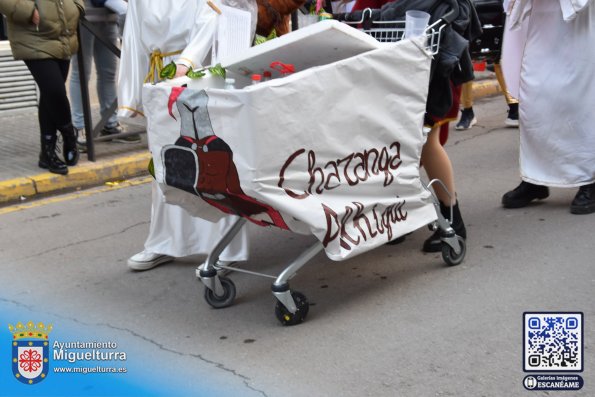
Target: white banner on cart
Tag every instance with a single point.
(332, 151)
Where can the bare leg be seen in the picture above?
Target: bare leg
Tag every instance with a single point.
(438, 166)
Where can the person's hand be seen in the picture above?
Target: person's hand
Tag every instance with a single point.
(181, 70)
(35, 17)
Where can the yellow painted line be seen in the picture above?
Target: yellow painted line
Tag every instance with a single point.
(484, 88)
(92, 173)
(14, 188)
(85, 174)
(109, 186)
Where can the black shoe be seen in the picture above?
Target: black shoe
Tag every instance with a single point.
(117, 129)
(467, 119)
(513, 115)
(523, 194)
(48, 159)
(71, 151)
(584, 201)
(113, 130)
(128, 139)
(434, 243)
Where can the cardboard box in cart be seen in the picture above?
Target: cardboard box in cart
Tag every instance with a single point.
(331, 150)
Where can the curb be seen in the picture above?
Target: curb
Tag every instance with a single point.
(92, 174)
(84, 175)
(484, 88)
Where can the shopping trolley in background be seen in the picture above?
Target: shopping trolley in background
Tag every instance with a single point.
(292, 306)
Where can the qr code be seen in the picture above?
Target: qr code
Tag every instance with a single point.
(553, 342)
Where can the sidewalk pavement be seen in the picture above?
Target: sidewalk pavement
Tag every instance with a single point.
(21, 179)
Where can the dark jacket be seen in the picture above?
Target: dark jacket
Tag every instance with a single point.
(453, 62)
(55, 37)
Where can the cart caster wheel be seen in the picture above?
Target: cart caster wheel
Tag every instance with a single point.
(288, 318)
(229, 294)
(449, 255)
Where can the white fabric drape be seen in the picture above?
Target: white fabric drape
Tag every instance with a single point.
(176, 233)
(171, 26)
(556, 85)
(512, 54)
(349, 176)
(167, 27)
(518, 10)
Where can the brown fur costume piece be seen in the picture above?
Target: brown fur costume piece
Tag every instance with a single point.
(275, 14)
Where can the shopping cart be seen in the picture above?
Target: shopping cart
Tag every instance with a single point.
(292, 306)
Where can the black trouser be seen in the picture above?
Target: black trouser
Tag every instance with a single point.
(54, 107)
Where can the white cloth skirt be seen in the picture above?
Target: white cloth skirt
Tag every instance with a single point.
(557, 96)
(176, 233)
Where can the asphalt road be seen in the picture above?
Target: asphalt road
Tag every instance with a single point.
(391, 322)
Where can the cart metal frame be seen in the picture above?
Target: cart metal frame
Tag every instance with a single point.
(292, 306)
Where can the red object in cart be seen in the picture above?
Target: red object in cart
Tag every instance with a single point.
(479, 66)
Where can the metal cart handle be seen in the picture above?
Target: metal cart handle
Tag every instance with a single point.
(453, 13)
(358, 16)
(368, 15)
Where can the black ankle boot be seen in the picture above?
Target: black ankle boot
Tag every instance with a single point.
(584, 201)
(433, 243)
(71, 152)
(48, 159)
(523, 194)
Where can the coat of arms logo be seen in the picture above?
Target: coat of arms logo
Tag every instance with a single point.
(30, 351)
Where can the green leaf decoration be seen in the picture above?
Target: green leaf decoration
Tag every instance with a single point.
(272, 35)
(258, 39)
(151, 168)
(168, 72)
(217, 70)
(195, 74)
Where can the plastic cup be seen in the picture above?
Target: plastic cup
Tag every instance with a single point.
(415, 23)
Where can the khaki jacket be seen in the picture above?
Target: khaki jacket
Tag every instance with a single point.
(55, 37)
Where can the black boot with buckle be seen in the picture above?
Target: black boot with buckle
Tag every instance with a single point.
(433, 243)
(48, 159)
(71, 152)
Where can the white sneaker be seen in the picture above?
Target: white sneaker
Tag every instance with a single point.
(146, 260)
(220, 272)
(511, 123)
(81, 140)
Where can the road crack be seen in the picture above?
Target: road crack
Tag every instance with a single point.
(98, 238)
(245, 380)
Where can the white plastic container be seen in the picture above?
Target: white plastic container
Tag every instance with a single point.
(230, 84)
(415, 23)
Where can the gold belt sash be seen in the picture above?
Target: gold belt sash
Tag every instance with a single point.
(156, 64)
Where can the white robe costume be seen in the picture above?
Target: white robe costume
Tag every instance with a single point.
(555, 84)
(168, 27)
